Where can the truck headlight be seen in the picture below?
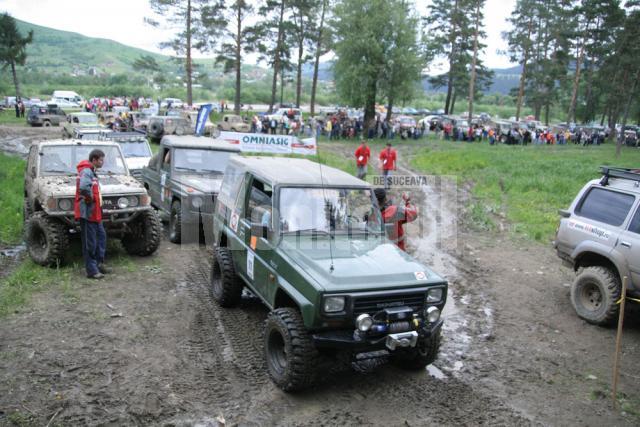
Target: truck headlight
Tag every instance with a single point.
(65, 204)
(434, 295)
(432, 314)
(123, 202)
(364, 322)
(133, 201)
(333, 304)
(196, 202)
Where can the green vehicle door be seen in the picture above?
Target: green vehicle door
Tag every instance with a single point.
(256, 225)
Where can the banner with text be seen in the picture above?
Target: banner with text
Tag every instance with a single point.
(275, 144)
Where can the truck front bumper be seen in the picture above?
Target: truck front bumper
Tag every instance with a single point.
(350, 340)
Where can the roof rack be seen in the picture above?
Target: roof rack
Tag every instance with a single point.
(622, 173)
(122, 136)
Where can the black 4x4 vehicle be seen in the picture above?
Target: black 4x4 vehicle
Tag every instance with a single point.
(183, 180)
(317, 256)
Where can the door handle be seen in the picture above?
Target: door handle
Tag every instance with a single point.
(625, 244)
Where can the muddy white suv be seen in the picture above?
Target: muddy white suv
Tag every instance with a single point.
(599, 236)
(49, 192)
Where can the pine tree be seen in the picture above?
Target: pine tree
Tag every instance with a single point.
(13, 47)
(322, 42)
(236, 42)
(196, 21)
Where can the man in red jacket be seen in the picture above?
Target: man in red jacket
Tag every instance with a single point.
(388, 158)
(88, 210)
(362, 158)
(396, 216)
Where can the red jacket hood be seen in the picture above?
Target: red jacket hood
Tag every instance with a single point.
(83, 165)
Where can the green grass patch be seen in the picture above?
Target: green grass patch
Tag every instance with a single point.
(529, 184)
(8, 117)
(17, 288)
(11, 198)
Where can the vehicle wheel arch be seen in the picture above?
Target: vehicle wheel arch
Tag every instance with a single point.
(595, 259)
(283, 299)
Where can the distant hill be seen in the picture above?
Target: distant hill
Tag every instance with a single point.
(64, 52)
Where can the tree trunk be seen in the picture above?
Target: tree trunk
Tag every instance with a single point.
(389, 109)
(627, 107)
(452, 42)
(316, 64)
(571, 116)
(454, 95)
(299, 74)
(15, 80)
(472, 80)
(276, 64)
(523, 76)
(281, 87)
(370, 107)
(189, 65)
(238, 59)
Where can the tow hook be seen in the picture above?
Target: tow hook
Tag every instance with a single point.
(404, 339)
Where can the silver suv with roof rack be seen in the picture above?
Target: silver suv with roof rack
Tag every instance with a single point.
(599, 237)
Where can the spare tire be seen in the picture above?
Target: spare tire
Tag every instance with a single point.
(156, 129)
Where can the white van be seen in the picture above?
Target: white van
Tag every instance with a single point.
(66, 96)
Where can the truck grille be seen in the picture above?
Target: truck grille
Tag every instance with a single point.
(374, 303)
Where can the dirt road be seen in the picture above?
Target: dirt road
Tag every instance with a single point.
(149, 346)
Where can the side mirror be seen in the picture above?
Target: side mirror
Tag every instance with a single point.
(564, 213)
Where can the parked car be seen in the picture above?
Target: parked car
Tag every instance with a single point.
(599, 237)
(171, 103)
(49, 193)
(79, 120)
(233, 123)
(160, 126)
(135, 148)
(192, 116)
(184, 179)
(291, 113)
(45, 115)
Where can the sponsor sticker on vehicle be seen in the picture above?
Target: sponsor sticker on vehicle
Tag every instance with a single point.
(420, 275)
(598, 232)
(250, 261)
(233, 222)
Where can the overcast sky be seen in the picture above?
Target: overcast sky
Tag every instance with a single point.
(122, 21)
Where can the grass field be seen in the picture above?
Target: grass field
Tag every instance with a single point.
(526, 184)
(8, 117)
(11, 184)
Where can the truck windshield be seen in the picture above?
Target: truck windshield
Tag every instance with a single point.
(135, 148)
(328, 210)
(63, 159)
(200, 161)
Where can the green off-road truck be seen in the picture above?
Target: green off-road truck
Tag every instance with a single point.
(310, 243)
(49, 193)
(183, 180)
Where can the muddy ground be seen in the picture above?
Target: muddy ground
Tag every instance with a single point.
(148, 345)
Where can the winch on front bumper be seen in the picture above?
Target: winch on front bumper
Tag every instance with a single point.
(390, 328)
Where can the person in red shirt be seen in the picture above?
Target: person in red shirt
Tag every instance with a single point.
(362, 158)
(396, 216)
(387, 159)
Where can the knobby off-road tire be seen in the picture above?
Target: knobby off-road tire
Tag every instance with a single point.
(424, 353)
(145, 235)
(27, 211)
(46, 124)
(289, 351)
(594, 294)
(226, 286)
(175, 222)
(156, 130)
(47, 239)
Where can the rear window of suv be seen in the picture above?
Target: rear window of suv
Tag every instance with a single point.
(609, 207)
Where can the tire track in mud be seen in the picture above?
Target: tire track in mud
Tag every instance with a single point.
(225, 344)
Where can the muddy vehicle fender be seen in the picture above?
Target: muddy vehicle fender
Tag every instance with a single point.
(588, 249)
(287, 292)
